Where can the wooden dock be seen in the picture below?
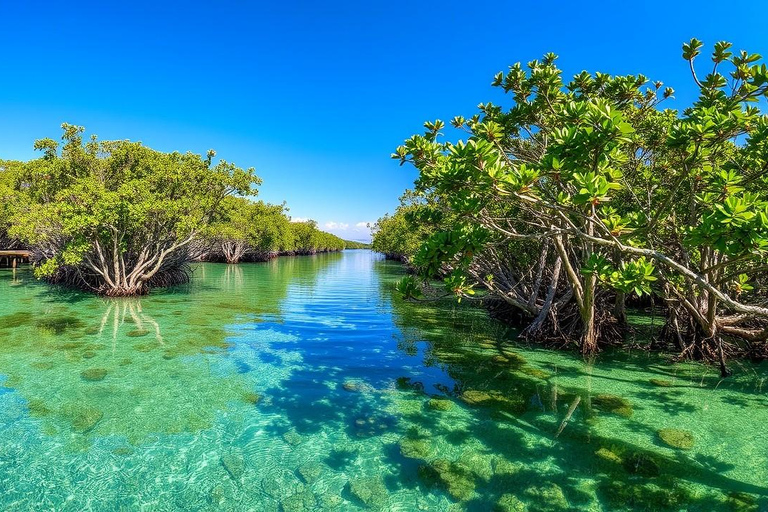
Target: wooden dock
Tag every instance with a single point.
(12, 259)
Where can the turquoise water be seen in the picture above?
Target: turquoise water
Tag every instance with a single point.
(306, 384)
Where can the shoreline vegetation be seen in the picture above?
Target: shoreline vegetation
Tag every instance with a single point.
(583, 197)
(117, 218)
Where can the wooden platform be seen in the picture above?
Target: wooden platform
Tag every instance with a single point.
(12, 259)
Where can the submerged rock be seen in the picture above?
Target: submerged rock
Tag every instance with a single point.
(439, 404)
(505, 467)
(281, 484)
(475, 397)
(510, 503)
(548, 498)
(311, 471)
(37, 407)
(234, 464)
(681, 439)
(415, 448)
(82, 418)
(536, 373)
(137, 333)
(371, 491)
(292, 438)
(300, 502)
(59, 324)
(612, 404)
(251, 397)
(661, 383)
(742, 502)
(93, 374)
(122, 451)
(356, 386)
(330, 501)
(14, 320)
(453, 477)
(477, 463)
(495, 400)
(606, 455)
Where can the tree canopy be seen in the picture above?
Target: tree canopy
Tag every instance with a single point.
(116, 216)
(583, 192)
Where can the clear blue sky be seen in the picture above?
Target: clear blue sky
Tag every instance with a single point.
(316, 95)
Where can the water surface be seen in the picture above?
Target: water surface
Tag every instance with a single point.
(306, 384)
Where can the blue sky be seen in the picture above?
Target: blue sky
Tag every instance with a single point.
(316, 95)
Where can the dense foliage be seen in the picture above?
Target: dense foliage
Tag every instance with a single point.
(257, 231)
(353, 244)
(583, 193)
(245, 228)
(118, 218)
(400, 235)
(307, 239)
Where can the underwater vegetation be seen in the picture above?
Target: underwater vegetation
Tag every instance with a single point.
(235, 397)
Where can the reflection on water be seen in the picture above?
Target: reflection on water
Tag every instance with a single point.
(305, 384)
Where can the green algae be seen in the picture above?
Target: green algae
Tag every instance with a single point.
(453, 477)
(495, 400)
(303, 501)
(548, 498)
(510, 503)
(439, 404)
(38, 407)
(252, 398)
(16, 320)
(742, 502)
(292, 438)
(94, 374)
(203, 408)
(311, 471)
(676, 438)
(370, 492)
(607, 456)
(415, 445)
(82, 418)
(612, 404)
(58, 325)
(233, 463)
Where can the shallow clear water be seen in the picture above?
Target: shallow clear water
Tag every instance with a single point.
(306, 384)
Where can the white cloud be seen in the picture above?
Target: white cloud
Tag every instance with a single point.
(363, 225)
(341, 226)
(299, 219)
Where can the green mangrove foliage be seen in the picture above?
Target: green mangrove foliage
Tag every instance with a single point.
(585, 192)
(256, 231)
(353, 244)
(6, 212)
(400, 235)
(118, 218)
(244, 228)
(310, 240)
(115, 217)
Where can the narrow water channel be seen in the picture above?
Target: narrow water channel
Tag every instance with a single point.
(306, 384)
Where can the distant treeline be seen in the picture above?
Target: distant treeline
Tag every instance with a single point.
(118, 218)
